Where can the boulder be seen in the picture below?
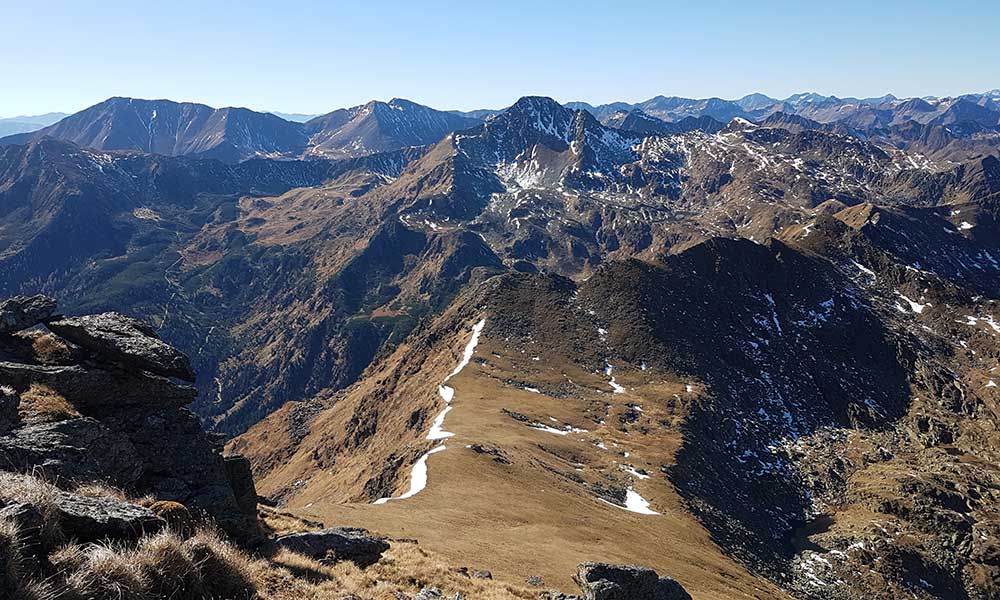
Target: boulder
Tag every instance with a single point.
(176, 515)
(353, 544)
(126, 340)
(240, 475)
(601, 581)
(22, 312)
(9, 402)
(88, 519)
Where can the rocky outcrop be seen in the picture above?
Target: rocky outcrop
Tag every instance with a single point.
(22, 312)
(601, 581)
(120, 420)
(125, 339)
(355, 545)
(91, 519)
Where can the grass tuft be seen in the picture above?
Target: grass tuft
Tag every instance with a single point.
(42, 403)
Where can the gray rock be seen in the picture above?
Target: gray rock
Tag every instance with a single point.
(9, 402)
(22, 312)
(93, 389)
(91, 519)
(353, 544)
(428, 594)
(79, 449)
(240, 475)
(601, 581)
(124, 339)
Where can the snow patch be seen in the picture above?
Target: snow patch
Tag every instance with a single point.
(615, 387)
(437, 431)
(634, 503)
(914, 306)
(418, 477)
(631, 471)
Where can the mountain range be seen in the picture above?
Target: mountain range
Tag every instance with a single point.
(943, 128)
(749, 343)
(25, 123)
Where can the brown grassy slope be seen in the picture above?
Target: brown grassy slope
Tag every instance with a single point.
(533, 516)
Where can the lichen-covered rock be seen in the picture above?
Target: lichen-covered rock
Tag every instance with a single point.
(88, 519)
(22, 312)
(353, 544)
(126, 340)
(602, 581)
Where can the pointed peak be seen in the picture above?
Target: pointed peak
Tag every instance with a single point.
(536, 103)
(740, 124)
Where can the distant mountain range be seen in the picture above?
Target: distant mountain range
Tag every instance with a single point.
(26, 123)
(949, 128)
(236, 134)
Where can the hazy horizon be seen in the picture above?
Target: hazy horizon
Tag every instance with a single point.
(561, 101)
(309, 59)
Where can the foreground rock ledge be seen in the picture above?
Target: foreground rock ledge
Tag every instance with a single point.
(602, 581)
(353, 544)
(124, 339)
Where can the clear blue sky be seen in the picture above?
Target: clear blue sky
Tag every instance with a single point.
(312, 57)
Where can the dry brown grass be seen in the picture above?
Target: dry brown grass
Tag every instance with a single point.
(160, 566)
(49, 349)
(205, 567)
(37, 492)
(277, 522)
(10, 554)
(99, 489)
(42, 403)
(404, 568)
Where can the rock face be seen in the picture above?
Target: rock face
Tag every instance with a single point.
(125, 339)
(355, 545)
(601, 581)
(118, 418)
(9, 402)
(22, 312)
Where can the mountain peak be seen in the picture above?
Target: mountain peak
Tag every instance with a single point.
(740, 124)
(536, 103)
